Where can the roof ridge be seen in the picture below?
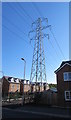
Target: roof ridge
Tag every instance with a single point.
(62, 64)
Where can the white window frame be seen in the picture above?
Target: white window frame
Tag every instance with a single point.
(67, 76)
(17, 80)
(69, 96)
(24, 81)
(12, 79)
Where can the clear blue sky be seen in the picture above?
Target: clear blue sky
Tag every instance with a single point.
(15, 44)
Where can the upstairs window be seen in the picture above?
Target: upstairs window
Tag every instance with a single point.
(12, 79)
(12, 86)
(70, 76)
(68, 95)
(67, 76)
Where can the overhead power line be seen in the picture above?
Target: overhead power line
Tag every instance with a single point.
(26, 13)
(57, 43)
(17, 27)
(17, 12)
(40, 13)
(37, 9)
(47, 50)
(14, 33)
(54, 48)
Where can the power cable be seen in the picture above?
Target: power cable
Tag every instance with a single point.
(37, 9)
(57, 43)
(25, 11)
(18, 28)
(14, 8)
(14, 33)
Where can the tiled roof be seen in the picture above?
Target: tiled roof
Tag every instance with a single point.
(16, 80)
(62, 64)
(69, 62)
(12, 79)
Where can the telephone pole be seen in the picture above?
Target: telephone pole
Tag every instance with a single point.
(38, 70)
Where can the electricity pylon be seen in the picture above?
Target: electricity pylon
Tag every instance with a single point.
(38, 70)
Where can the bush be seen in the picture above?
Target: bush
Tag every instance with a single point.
(37, 98)
(14, 95)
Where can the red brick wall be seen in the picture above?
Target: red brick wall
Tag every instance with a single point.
(5, 86)
(26, 87)
(15, 87)
(62, 86)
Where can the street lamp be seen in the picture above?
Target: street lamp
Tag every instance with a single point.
(23, 78)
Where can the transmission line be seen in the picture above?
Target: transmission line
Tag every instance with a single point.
(13, 8)
(18, 28)
(14, 33)
(25, 11)
(36, 7)
(57, 43)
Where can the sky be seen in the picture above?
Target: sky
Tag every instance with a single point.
(17, 19)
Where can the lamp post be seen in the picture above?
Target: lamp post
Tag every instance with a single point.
(23, 78)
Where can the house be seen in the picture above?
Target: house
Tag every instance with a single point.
(10, 85)
(26, 85)
(46, 86)
(63, 76)
(39, 87)
(13, 85)
(32, 87)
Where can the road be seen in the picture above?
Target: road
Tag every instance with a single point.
(10, 113)
(33, 112)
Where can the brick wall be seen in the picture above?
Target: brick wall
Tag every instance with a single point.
(26, 87)
(13, 87)
(62, 86)
(5, 87)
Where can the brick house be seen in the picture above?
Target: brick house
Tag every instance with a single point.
(63, 76)
(5, 86)
(10, 85)
(26, 86)
(39, 87)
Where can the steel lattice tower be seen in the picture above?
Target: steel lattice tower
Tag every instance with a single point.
(38, 70)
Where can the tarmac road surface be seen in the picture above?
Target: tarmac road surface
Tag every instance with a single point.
(35, 112)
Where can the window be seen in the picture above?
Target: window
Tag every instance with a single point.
(68, 95)
(12, 86)
(67, 76)
(17, 86)
(17, 80)
(12, 79)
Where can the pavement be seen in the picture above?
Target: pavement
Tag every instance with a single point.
(33, 111)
